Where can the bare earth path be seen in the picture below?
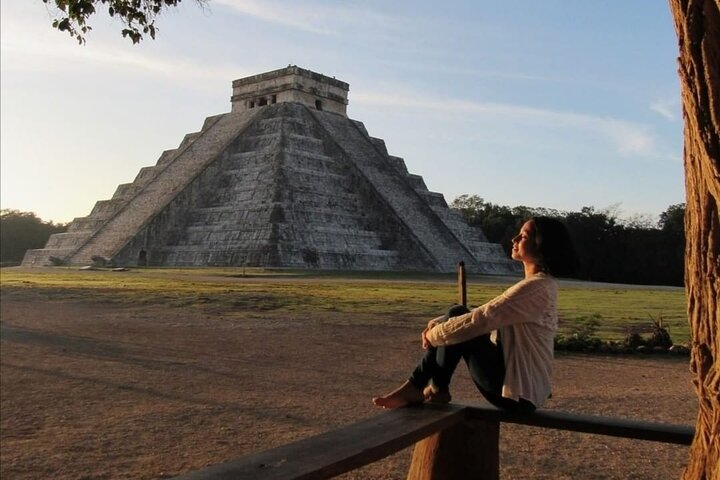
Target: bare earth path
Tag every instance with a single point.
(100, 392)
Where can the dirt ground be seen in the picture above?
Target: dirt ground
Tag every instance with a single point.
(101, 392)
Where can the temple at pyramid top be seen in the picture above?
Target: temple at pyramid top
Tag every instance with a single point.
(290, 84)
(285, 179)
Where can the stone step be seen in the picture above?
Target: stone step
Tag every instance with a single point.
(303, 156)
(187, 140)
(258, 217)
(125, 191)
(67, 241)
(379, 260)
(42, 257)
(399, 164)
(87, 225)
(259, 155)
(321, 176)
(304, 143)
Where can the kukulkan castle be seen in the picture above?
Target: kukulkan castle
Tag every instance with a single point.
(285, 179)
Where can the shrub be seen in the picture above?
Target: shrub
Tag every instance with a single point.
(634, 340)
(660, 336)
(582, 337)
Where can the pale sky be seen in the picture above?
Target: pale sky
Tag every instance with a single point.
(560, 104)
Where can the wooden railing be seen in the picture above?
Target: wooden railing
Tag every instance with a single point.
(452, 442)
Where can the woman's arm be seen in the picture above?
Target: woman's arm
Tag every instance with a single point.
(523, 302)
(425, 342)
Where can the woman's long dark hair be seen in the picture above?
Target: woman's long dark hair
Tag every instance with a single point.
(559, 257)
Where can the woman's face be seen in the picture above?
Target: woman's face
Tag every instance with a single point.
(525, 244)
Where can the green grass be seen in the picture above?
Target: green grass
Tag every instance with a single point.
(627, 308)
(389, 298)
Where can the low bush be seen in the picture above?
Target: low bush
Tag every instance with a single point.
(583, 335)
(583, 338)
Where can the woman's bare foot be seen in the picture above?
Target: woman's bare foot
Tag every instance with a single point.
(406, 394)
(433, 396)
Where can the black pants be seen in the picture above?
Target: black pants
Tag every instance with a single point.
(485, 362)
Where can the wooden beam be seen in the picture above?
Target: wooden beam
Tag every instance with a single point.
(339, 451)
(462, 284)
(609, 426)
(467, 451)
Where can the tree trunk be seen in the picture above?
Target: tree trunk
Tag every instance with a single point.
(697, 23)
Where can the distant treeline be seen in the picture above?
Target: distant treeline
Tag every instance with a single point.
(638, 251)
(21, 231)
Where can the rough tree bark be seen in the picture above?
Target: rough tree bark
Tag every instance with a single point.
(697, 23)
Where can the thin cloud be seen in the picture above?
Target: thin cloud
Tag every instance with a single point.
(40, 56)
(628, 138)
(30, 46)
(666, 107)
(314, 18)
(470, 71)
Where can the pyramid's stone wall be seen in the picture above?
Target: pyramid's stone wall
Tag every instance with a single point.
(398, 191)
(280, 196)
(283, 184)
(113, 222)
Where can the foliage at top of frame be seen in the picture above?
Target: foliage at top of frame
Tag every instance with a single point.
(137, 16)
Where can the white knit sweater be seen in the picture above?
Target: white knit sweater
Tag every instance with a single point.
(525, 315)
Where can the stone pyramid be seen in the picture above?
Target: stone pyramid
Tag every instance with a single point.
(285, 179)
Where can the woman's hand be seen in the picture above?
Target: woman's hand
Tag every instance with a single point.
(425, 342)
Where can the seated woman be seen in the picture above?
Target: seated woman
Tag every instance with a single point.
(506, 343)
